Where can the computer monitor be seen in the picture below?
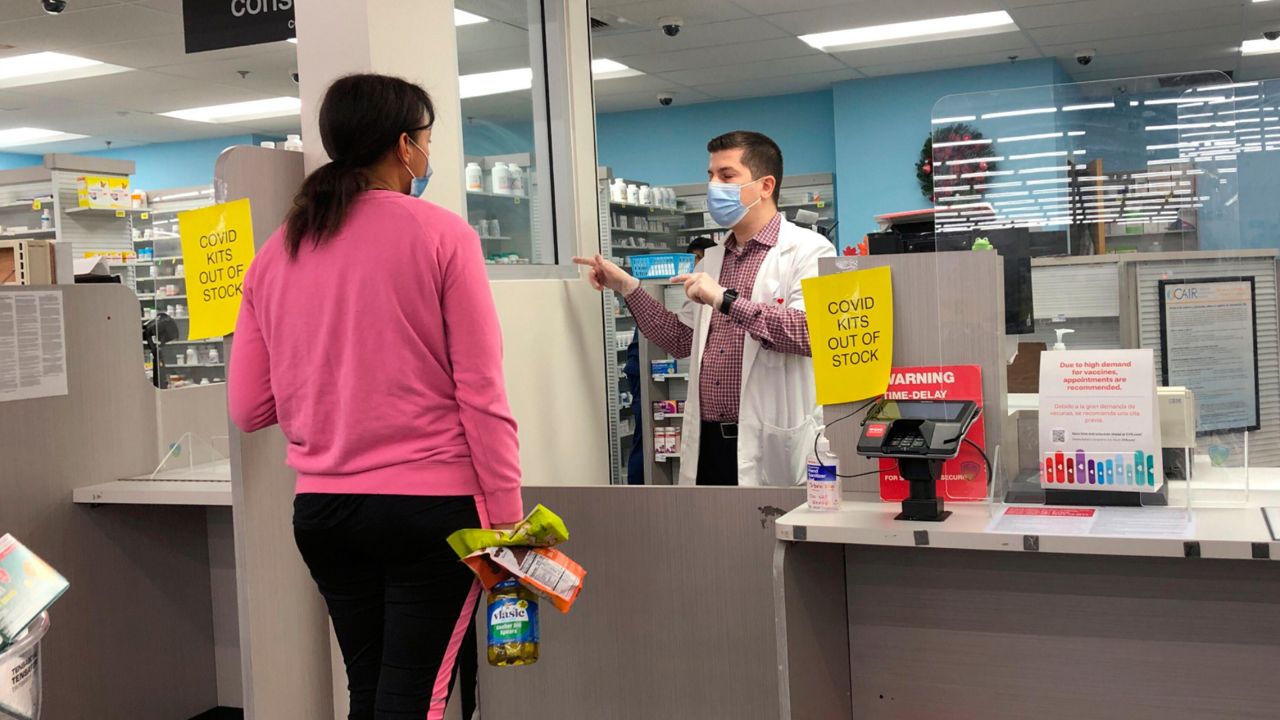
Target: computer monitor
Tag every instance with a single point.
(1013, 244)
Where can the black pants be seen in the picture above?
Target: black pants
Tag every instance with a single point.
(403, 606)
(717, 457)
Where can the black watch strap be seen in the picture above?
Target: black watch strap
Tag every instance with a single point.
(727, 302)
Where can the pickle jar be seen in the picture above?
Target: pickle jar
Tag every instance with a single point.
(513, 625)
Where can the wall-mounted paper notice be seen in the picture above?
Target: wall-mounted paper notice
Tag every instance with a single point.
(33, 351)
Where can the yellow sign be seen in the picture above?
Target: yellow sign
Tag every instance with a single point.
(35, 205)
(850, 319)
(217, 246)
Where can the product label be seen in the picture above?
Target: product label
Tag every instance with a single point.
(513, 620)
(823, 490)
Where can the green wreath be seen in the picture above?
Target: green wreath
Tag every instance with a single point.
(929, 159)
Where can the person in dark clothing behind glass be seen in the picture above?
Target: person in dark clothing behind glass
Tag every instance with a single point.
(635, 461)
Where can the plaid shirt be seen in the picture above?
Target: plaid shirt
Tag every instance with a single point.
(776, 328)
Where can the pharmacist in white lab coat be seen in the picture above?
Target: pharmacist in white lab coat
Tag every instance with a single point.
(752, 414)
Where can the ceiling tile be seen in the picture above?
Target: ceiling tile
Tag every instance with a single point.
(691, 38)
(805, 82)
(27, 9)
(1008, 43)
(874, 12)
(754, 70)
(646, 14)
(642, 101)
(1070, 13)
(651, 84)
(1150, 24)
(722, 55)
(106, 24)
(171, 50)
(928, 65)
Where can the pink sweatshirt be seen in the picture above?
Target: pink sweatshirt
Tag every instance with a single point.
(380, 356)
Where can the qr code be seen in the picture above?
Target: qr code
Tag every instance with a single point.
(1059, 436)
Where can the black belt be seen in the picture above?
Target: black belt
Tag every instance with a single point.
(728, 431)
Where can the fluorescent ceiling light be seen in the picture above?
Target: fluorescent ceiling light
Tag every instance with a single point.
(494, 83)
(505, 81)
(605, 69)
(955, 119)
(46, 67)
(15, 137)
(1090, 106)
(1023, 138)
(241, 111)
(1260, 46)
(1033, 156)
(462, 17)
(917, 31)
(959, 143)
(1019, 113)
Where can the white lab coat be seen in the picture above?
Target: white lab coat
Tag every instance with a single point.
(778, 418)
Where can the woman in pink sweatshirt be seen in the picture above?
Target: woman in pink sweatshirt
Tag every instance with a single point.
(368, 332)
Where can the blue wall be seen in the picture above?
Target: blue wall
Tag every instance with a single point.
(175, 164)
(10, 161)
(881, 123)
(668, 146)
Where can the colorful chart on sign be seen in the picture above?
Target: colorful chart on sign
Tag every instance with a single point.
(1098, 426)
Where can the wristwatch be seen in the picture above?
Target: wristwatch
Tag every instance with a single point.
(727, 302)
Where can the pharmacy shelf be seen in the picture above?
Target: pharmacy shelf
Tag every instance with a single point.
(701, 229)
(670, 212)
(494, 237)
(161, 278)
(815, 203)
(162, 297)
(107, 212)
(645, 232)
(176, 366)
(193, 342)
(666, 457)
(514, 198)
(652, 248)
(27, 205)
(29, 234)
(672, 376)
(665, 416)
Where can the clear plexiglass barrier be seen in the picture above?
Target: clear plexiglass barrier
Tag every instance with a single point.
(1136, 279)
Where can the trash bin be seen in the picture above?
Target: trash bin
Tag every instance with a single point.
(20, 673)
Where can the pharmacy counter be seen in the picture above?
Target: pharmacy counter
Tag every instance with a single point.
(1154, 613)
(205, 485)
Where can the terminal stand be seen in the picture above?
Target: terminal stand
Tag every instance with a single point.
(923, 505)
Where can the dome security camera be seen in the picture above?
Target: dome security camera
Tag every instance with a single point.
(1084, 57)
(293, 75)
(665, 99)
(1272, 35)
(53, 7)
(671, 25)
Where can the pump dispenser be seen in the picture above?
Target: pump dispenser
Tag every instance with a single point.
(1061, 332)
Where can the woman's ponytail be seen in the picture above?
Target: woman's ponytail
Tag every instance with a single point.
(321, 205)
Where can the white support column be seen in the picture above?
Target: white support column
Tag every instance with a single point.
(412, 39)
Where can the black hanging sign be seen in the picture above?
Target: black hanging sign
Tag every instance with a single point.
(218, 24)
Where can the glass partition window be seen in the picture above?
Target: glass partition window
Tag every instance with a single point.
(158, 276)
(505, 132)
(1125, 200)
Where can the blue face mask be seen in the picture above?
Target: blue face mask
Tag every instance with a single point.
(724, 203)
(419, 183)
